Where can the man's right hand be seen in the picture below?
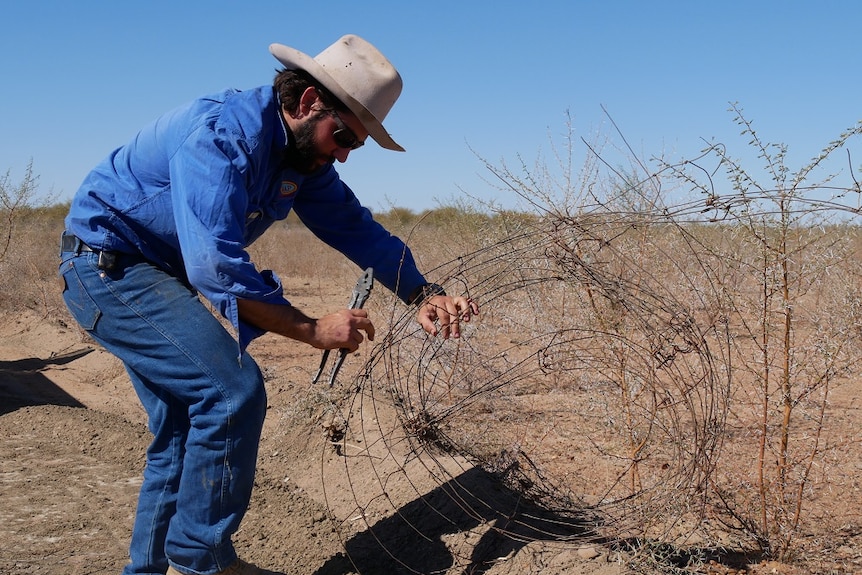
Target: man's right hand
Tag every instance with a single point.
(342, 329)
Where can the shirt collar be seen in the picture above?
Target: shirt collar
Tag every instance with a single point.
(287, 135)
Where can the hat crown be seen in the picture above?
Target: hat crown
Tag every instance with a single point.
(356, 73)
(364, 73)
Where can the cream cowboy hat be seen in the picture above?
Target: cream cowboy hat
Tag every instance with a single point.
(358, 75)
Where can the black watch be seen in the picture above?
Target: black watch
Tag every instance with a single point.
(423, 292)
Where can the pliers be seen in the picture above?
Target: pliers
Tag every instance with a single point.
(357, 300)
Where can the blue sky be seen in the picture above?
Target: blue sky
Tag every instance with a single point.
(487, 77)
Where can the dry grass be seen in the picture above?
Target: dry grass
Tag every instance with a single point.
(614, 374)
(29, 266)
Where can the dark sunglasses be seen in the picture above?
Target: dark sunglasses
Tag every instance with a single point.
(345, 137)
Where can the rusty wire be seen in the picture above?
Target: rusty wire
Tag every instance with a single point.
(588, 388)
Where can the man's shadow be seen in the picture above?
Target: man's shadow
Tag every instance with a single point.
(22, 382)
(412, 540)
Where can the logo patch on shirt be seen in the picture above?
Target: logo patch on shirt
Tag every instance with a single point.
(288, 188)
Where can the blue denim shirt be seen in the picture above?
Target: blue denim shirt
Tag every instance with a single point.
(193, 189)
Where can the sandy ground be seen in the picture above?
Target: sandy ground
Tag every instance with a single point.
(72, 452)
(71, 456)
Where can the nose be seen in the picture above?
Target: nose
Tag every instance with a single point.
(341, 154)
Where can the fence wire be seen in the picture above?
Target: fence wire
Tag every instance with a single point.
(592, 388)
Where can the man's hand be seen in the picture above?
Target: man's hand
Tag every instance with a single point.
(448, 311)
(339, 330)
(342, 330)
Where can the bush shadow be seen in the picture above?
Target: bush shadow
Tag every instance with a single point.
(22, 382)
(413, 539)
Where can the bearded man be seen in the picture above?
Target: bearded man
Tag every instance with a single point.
(166, 219)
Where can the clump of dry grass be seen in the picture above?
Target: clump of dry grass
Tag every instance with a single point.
(29, 266)
(30, 230)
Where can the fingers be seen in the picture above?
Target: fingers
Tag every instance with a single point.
(458, 309)
(449, 312)
(344, 329)
(426, 319)
(358, 323)
(364, 324)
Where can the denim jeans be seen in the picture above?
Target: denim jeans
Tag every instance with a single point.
(205, 409)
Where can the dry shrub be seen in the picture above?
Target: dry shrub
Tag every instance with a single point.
(666, 373)
(29, 267)
(29, 237)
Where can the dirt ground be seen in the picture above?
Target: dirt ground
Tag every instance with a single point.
(72, 450)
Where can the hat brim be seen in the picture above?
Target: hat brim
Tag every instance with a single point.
(293, 59)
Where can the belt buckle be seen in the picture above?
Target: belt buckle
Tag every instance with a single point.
(73, 244)
(70, 243)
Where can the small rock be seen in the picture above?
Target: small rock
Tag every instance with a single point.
(587, 553)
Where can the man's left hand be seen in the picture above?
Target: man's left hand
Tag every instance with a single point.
(449, 311)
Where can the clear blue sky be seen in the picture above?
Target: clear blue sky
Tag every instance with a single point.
(494, 76)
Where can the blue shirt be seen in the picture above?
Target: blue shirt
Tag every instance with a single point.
(193, 189)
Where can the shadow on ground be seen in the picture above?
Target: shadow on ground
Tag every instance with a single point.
(413, 539)
(22, 382)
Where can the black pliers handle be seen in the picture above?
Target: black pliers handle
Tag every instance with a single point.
(360, 295)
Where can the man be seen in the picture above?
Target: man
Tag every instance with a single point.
(169, 216)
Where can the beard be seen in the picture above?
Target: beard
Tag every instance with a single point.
(302, 156)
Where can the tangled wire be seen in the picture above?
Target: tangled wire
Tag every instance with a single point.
(590, 401)
(588, 391)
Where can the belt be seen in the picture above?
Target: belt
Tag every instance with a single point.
(73, 244)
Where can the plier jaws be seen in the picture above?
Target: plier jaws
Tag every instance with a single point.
(360, 295)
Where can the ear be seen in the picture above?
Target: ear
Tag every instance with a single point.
(307, 101)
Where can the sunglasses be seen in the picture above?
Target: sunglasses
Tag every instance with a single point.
(345, 137)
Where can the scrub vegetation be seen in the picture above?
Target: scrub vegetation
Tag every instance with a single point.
(666, 364)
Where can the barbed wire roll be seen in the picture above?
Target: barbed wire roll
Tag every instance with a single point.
(587, 386)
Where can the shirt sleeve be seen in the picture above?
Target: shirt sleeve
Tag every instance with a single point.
(329, 208)
(210, 198)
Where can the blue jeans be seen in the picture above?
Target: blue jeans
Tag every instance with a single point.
(205, 406)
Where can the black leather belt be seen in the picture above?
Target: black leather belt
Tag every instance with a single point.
(73, 244)
(70, 243)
